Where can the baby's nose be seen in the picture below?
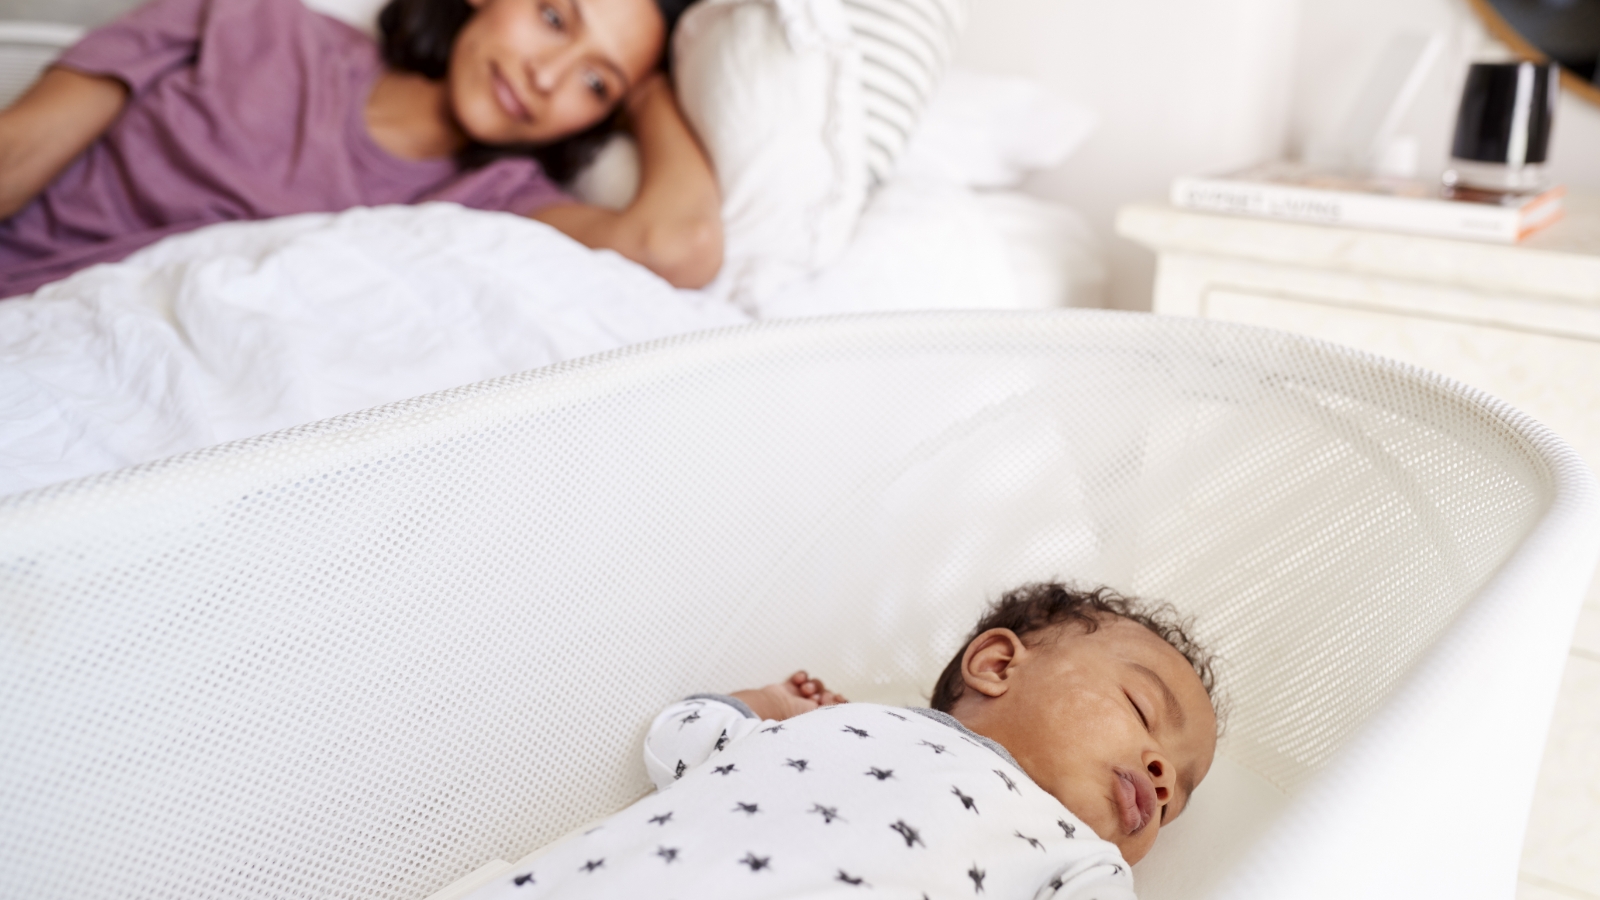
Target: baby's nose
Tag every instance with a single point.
(1158, 770)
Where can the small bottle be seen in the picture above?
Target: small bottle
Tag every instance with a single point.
(1503, 127)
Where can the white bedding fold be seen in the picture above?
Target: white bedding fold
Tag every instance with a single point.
(241, 329)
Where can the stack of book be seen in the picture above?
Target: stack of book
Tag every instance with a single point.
(1302, 194)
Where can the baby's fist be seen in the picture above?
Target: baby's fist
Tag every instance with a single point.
(799, 694)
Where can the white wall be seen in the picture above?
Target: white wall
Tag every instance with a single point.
(1339, 40)
(1217, 84)
(1183, 86)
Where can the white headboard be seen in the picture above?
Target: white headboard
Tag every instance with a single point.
(25, 49)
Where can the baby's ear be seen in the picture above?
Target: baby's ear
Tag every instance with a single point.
(986, 666)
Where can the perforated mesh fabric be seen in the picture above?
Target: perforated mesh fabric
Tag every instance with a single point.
(358, 658)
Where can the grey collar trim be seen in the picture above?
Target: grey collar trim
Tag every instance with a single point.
(941, 717)
(743, 708)
(944, 718)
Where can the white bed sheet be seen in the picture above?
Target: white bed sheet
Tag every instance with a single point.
(245, 328)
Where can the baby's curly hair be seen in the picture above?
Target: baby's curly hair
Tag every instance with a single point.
(1033, 608)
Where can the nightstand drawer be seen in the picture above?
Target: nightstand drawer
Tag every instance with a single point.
(1555, 377)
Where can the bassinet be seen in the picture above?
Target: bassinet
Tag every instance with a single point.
(354, 659)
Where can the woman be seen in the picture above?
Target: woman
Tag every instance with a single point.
(189, 112)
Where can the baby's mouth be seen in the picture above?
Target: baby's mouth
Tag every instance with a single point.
(1136, 801)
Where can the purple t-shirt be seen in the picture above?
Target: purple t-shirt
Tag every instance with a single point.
(238, 109)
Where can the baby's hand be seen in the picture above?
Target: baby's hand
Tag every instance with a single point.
(799, 694)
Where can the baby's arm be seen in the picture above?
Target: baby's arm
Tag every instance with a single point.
(689, 732)
(799, 694)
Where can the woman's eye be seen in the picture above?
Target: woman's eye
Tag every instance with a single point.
(597, 86)
(552, 17)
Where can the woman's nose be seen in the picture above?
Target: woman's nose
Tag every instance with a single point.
(548, 73)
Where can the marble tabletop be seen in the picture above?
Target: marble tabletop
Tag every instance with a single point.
(1562, 261)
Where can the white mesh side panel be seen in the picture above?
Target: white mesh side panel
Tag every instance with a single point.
(359, 658)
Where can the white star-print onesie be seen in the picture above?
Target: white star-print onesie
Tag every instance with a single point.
(848, 801)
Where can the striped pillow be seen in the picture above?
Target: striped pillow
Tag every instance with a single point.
(905, 46)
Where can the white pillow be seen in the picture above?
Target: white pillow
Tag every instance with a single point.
(772, 89)
(937, 245)
(979, 130)
(920, 245)
(611, 180)
(992, 131)
(362, 14)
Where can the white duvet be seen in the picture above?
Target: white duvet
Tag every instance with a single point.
(245, 328)
(241, 329)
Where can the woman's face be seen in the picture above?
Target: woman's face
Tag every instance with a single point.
(536, 71)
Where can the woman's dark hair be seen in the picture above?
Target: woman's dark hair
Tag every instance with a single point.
(418, 35)
(1034, 608)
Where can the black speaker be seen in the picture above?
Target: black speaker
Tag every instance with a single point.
(1502, 132)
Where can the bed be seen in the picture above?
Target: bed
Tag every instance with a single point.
(245, 328)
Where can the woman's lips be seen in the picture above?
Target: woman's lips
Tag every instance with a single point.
(509, 101)
(1136, 800)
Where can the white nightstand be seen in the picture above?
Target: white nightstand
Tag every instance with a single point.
(1521, 321)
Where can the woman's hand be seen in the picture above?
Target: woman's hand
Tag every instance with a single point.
(674, 225)
(45, 130)
(799, 694)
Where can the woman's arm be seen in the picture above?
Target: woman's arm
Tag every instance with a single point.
(45, 130)
(674, 226)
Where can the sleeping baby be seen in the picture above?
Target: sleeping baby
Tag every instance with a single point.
(1070, 728)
